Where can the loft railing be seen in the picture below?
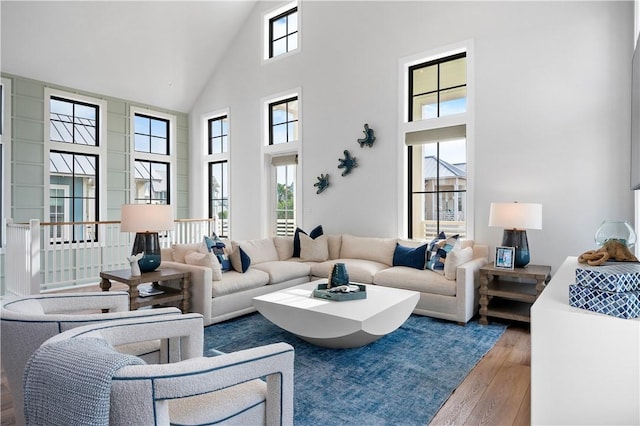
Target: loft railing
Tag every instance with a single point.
(40, 256)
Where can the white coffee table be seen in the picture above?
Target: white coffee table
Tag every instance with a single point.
(332, 324)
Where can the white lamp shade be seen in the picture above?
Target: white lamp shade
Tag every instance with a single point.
(146, 218)
(516, 215)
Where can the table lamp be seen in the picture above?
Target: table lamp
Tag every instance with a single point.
(146, 220)
(516, 218)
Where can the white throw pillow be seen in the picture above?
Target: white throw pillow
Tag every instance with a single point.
(313, 250)
(205, 259)
(454, 259)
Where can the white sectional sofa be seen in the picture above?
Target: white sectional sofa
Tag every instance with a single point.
(451, 294)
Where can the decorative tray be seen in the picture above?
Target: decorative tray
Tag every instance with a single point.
(322, 293)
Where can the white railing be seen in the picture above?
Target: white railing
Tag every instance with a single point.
(38, 260)
(449, 228)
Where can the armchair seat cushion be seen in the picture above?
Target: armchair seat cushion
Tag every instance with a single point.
(280, 271)
(205, 409)
(360, 271)
(233, 281)
(424, 281)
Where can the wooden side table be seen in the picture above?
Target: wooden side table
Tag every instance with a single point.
(156, 277)
(509, 293)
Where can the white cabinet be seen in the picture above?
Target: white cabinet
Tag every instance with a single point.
(585, 366)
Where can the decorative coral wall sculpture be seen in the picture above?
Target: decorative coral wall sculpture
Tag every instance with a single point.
(347, 163)
(369, 137)
(322, 183)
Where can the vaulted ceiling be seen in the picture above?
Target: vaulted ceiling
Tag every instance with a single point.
(159, 53)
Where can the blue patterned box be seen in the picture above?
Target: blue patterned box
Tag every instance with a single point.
(618, 277)
(624, 304)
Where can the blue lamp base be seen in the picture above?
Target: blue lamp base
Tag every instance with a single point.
(149, 244)
(517, 238)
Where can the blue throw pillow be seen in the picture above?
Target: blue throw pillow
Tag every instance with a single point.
(409, 256)
(216, 246)
(315, 233)
(438, 252)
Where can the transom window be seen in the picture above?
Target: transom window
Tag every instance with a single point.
(283, 121)
(73, 122)
(218, 135)
(438, 88)
(283, 32)
(151, 134)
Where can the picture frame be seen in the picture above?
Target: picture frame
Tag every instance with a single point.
(505, 257)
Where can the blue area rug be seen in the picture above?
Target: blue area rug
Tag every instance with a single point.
(401, 379)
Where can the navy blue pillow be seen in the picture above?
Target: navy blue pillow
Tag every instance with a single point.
(315, 233)
(409, 256)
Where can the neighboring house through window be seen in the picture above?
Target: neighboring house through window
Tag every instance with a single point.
(76, 152)
(218, 163)
(282, 32)
(153, 158)
(437, 147)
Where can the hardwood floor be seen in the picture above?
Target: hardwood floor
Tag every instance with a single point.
(496, 391)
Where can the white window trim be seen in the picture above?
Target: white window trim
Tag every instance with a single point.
(405, 127)
(100, 150)
(211, 158)
(5, 141)
(266, 17)
(146, 156)
(268, 201)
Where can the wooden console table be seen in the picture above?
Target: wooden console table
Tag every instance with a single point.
(156, 277)
(509, 293)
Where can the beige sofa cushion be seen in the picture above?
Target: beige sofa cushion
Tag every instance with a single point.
(263, 250)
(368, 248)
(284, 271)
(334, 241)
(425, 281)
(179, 251)
(360, 271)
(233, 282)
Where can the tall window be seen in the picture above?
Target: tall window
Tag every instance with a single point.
(283, 121)
(283, 32)
(74, 168)
(218, 167)
(285, 194)
(153, 158)
(437, 156)
(219, 196)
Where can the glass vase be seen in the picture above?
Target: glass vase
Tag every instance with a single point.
(620, 231)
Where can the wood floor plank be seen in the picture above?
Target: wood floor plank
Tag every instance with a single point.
(503, 397)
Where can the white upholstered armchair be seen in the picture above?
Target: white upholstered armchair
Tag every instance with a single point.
(26, 322)
(226, 389)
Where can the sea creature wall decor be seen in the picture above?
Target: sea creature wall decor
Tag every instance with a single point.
(347, 163)
(322, 183)
(369, 137)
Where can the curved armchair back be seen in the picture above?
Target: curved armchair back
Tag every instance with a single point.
(226, 388)
(27, 322)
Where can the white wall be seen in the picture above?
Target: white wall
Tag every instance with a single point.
(552, 114)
